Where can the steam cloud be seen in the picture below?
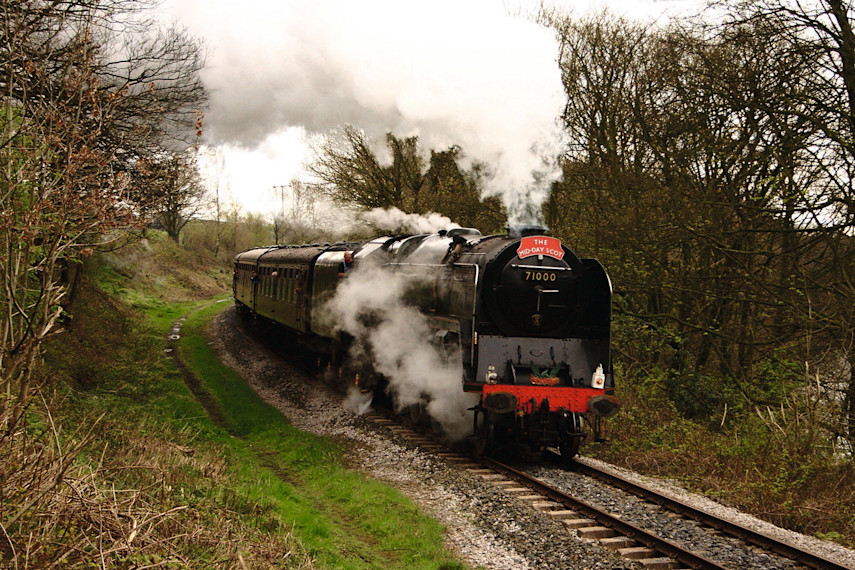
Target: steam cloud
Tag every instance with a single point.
(398, 344)
(394, 219)
(454, 73)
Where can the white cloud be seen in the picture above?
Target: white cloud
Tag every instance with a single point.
(251, 173)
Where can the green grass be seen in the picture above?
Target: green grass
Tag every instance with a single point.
(344, 519)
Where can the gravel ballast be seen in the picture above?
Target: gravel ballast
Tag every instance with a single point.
(486, 527)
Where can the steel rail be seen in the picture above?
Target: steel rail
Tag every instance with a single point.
(748, 535)
(659, 544)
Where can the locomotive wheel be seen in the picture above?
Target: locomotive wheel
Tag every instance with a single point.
(570, 443)
(569, 448)
(436, 427)
(416, 412)
(485, 441)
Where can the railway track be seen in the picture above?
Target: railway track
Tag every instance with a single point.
(590, 522)
(612, 532)
(724, 526)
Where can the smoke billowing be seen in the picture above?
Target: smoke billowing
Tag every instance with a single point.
(454, 73)
(394, 219)
(397, 341)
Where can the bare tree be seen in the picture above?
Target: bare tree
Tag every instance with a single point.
(278, 215)
(820, 34)
(216, 181)
(298, 216)
(414, 181)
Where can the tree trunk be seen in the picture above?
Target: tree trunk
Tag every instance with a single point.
(849, 405)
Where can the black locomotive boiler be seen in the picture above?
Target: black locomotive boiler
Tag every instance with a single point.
(527, 320)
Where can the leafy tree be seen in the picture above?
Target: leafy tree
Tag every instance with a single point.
(819, 36)
(350, 171)
(74, 117)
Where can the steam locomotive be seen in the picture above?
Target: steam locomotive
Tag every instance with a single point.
(526, 321)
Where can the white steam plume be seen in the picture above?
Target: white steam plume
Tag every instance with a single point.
(394, 219)
(398, 342)
(454, 73)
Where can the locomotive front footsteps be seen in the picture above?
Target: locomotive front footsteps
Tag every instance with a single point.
(521, 321)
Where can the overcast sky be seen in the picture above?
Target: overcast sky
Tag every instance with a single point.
(458, 72)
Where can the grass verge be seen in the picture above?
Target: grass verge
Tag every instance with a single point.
(344, 519)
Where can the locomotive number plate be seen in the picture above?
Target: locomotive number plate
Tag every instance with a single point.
(540, 276)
